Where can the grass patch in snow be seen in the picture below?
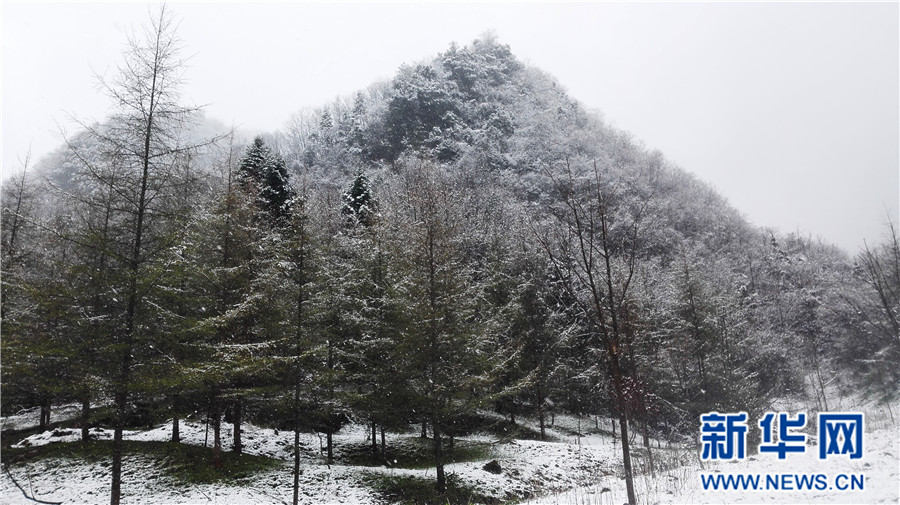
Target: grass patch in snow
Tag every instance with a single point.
(406, 490)
(415, 453)
(187, 463)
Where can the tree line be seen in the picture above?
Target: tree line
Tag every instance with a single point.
(462, 238)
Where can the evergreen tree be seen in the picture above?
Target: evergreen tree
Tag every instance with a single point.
(300, 272)
(143, 148)
(449, 347)
(358, 205)
(264, 175)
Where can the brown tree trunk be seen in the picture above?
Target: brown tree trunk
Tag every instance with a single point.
(626, 458)
(238, 446)
(623, 427)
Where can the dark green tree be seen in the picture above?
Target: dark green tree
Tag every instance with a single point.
(358, 204)
(447, 340)
(142, 147)
(264, 175)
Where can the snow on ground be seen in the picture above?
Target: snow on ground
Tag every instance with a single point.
(30, 418)
(880, 466)
(528, 468)
(581, 466)
(89, 483)
(83, 482)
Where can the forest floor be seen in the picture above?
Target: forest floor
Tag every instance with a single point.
(580, 464)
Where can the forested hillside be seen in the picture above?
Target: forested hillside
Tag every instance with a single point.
(461, 239)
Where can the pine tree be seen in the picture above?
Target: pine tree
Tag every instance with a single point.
(358, 205)
(356, 134)
(142, 146)
(300, 273)
(373, 363)
(20, 256)
(448, 344)
(263, 174)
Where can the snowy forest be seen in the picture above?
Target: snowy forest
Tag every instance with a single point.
(461, 250)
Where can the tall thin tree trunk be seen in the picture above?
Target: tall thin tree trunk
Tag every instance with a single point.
(374, 439)
(85, 415)
(424, 429)
(441, 484)
(646, 435)
(217, 431)
(541, 418)
(578, 430)
(329, 443)
(296, 441)
(45, 413)
(626, 458)
(383, 445)
(299, 257)
(115, 494)
(623, 427)
(176, 429)
(134, 298)
(176, 425)
(238, 446)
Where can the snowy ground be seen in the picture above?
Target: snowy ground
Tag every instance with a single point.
(880, 466)
(529, 468)
(30, 418)
(570, 470)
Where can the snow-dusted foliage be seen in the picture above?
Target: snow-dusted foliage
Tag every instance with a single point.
(461, 242)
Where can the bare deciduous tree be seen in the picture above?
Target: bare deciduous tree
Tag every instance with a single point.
(593, 246)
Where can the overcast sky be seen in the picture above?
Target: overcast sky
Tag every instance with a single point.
(789, 110)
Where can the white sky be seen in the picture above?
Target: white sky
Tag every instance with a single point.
(790, 110)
